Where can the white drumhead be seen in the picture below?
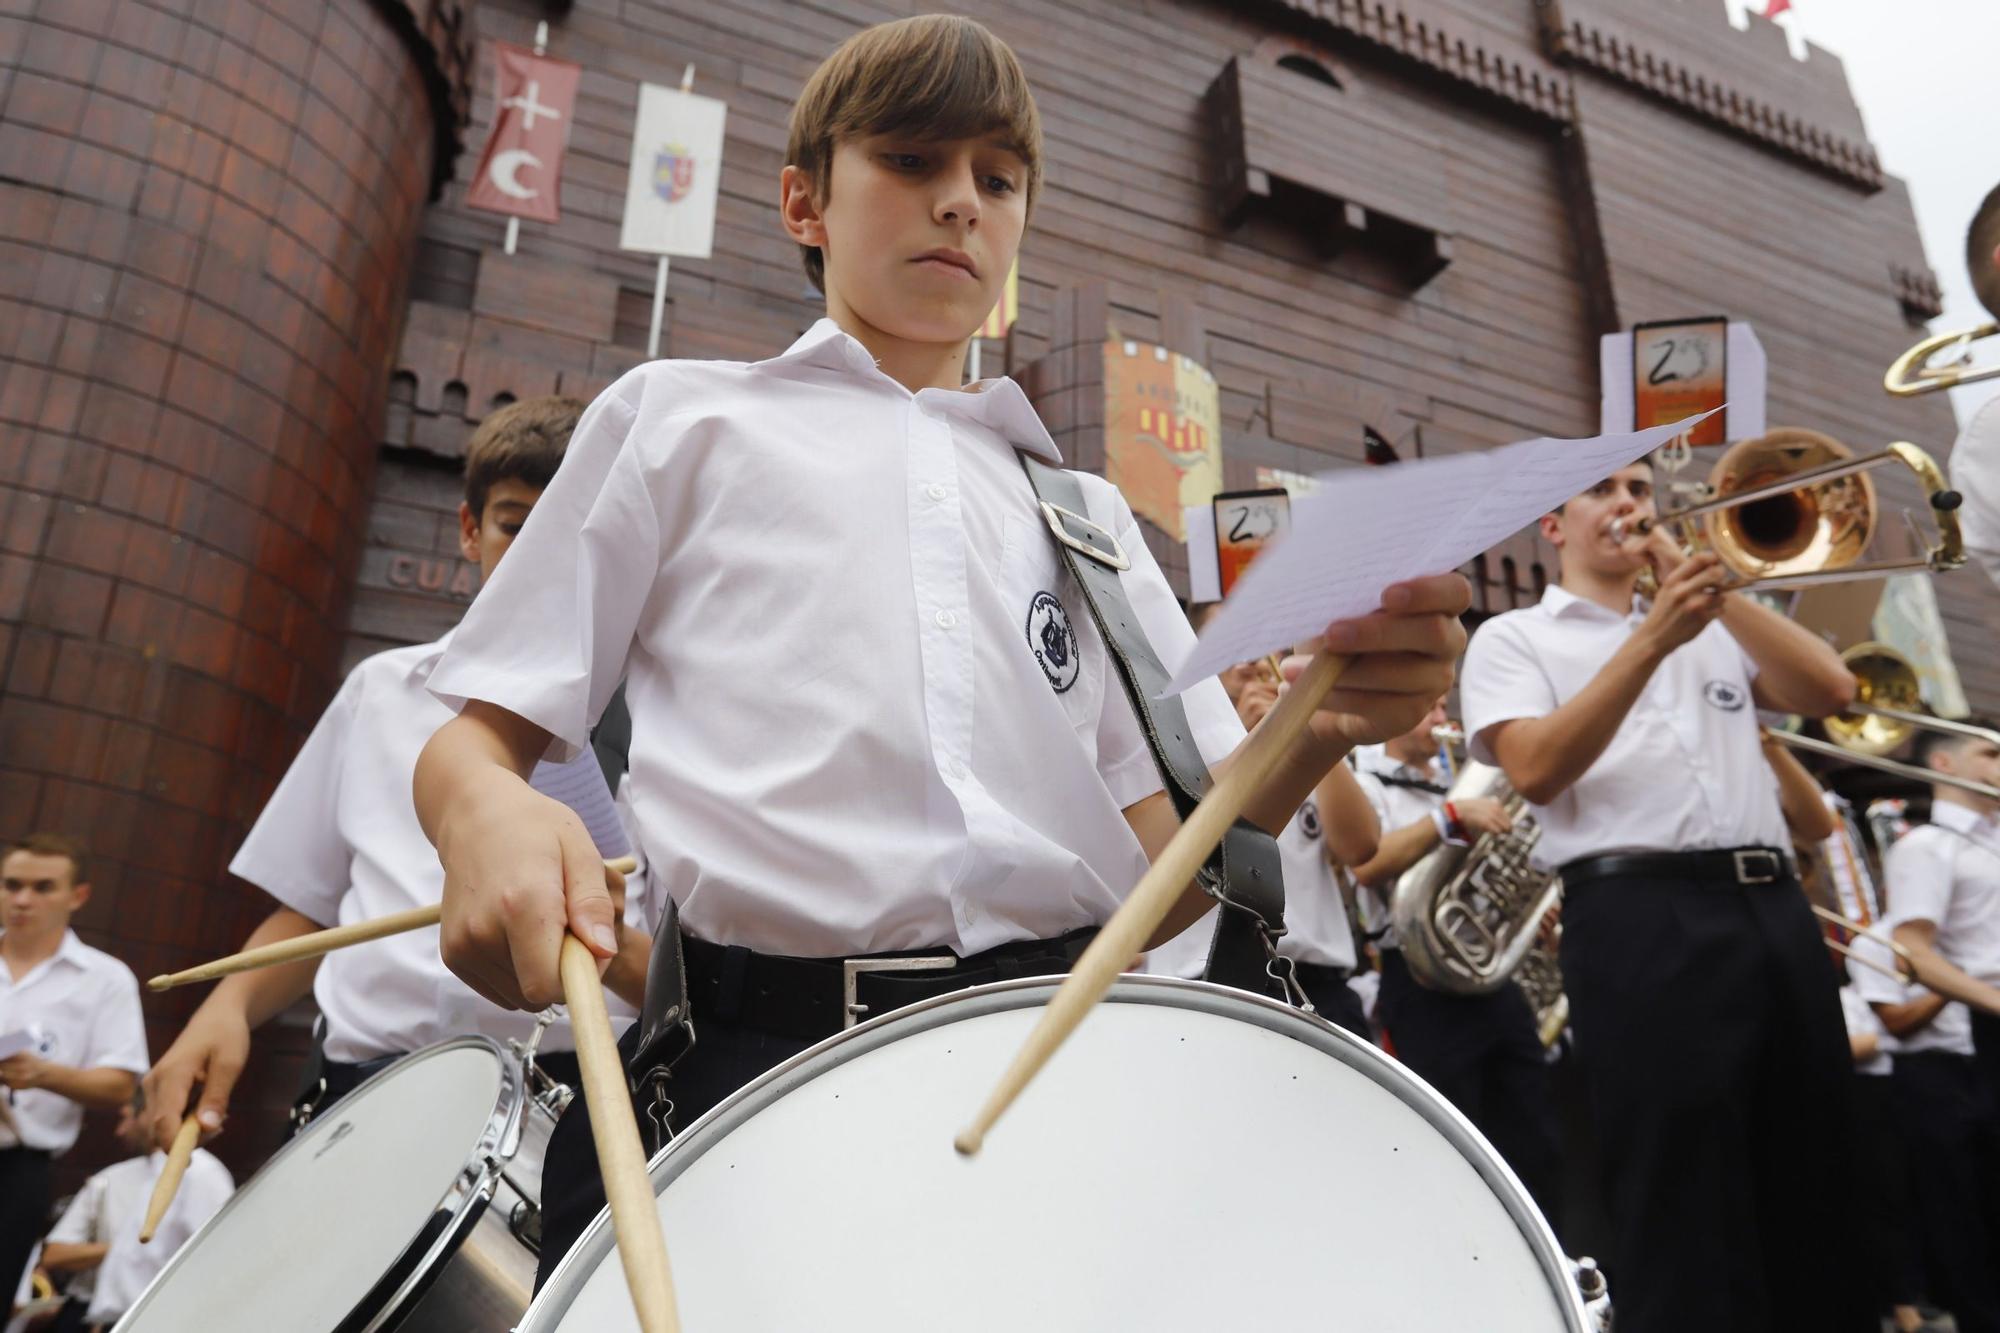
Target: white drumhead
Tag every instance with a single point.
(1193, 1159)
(307, 1237)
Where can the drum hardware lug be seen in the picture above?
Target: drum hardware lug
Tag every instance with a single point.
(851, 1008)
(547, 1095)
(303, 1112)
(1284, 971)
(524, 1220)
(659, 1106)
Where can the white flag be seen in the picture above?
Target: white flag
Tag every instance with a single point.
(676, 166)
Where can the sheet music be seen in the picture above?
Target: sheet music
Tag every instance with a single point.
(1367, 528)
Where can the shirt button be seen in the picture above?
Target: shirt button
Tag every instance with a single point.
(946, 620)
(936, 492)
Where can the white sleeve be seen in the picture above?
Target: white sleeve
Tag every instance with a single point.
(1975, 475)
(1124, 760)
(547, 638)
(1501, 681)
(295, 851)
(118, 1028)
(1918, 869)
(1873, 984)
(78, 1224)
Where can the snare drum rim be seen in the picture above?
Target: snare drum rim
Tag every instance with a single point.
(594, 1246)
(406, 1280)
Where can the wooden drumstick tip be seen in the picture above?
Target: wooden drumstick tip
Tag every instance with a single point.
(169, 1182)
(969, 1142)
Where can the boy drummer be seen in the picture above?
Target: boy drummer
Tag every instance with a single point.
(338, 843)
(817, 570)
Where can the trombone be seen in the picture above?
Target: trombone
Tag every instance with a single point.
(1883, 716)
(1795, 508)
(1905, 969)
(1912, 373)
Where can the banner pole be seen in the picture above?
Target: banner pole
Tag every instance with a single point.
(541, 49)
(659, 309)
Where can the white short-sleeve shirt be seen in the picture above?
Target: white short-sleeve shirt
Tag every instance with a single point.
(80, 1008)
(339, 843)
(1316, 928)
(1947, 872)
(1685, 769)
(110, 1207)
(1949, 1031)
(1975, 475)
(1862, 1022)
(1407, 798)
(870, 710)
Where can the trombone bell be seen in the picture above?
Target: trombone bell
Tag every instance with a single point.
(1884, 679)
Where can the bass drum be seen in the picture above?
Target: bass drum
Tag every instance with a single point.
(1194, 1158)
(406, 1205)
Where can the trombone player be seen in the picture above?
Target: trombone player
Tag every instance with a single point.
(1703, 1004)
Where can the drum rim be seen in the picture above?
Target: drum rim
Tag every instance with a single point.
(406, 1279)
(594, 1247)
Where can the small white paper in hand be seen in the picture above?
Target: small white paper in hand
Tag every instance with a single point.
(13, 1043)
(1367, 528)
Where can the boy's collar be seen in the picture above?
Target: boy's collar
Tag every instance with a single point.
(996, 403)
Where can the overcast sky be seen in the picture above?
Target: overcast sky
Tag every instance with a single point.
(1926, 74)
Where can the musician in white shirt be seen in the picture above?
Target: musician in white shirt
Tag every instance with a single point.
(1944, 907)
(97, 1237)
(1703, 1004)
(1483, 1052)
(71, 1033)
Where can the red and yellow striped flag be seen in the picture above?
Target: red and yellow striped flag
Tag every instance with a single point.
(1008, 309)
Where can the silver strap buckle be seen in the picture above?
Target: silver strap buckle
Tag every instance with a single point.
(1059, 520)
(851, 1008)
(1757, 865)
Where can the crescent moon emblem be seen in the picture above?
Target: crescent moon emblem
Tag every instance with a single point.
(503, 172)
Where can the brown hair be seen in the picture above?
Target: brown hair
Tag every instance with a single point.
(935, 75)
(522, 441)
(53, 844)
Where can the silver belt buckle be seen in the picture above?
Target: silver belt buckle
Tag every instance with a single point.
(1749, 856)
(851, 1008)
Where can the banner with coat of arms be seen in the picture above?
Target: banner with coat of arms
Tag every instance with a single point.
(1162, 431)
(676, 168)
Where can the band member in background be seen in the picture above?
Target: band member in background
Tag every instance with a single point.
(1335, 827)
(338, 842)
(870, 715)
(1483, 1052)
(1704, 1009)
(1944, 906)
(74, 1038)
(97, 1237)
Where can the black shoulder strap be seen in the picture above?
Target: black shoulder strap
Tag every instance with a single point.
(1244, 875)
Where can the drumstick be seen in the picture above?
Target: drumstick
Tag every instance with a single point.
(628, 1188)
(325, 941)
(1125, 935)
(170, 1177)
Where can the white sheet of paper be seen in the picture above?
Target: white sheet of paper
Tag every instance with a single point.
(13, 1043)
(1368, 528)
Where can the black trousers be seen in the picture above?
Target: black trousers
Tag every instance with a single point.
(1484, 1054)
(24, 1213)
(723, 1059)
(1708, 1024)
(1891, 1251)
(1333, 999)
(1949, 1124)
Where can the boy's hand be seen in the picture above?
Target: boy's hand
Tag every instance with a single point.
(23, 1070)
(519, 870)
(210, 1051)
(1400, 661)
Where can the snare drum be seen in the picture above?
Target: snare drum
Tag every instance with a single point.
(1194, 1158)
(409, 1204)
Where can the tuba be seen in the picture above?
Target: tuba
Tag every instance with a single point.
(1469, 918)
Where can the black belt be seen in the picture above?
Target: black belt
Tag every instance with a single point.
(1322, 973)
(807, 999)
(21, 1150)
(1731, 865)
